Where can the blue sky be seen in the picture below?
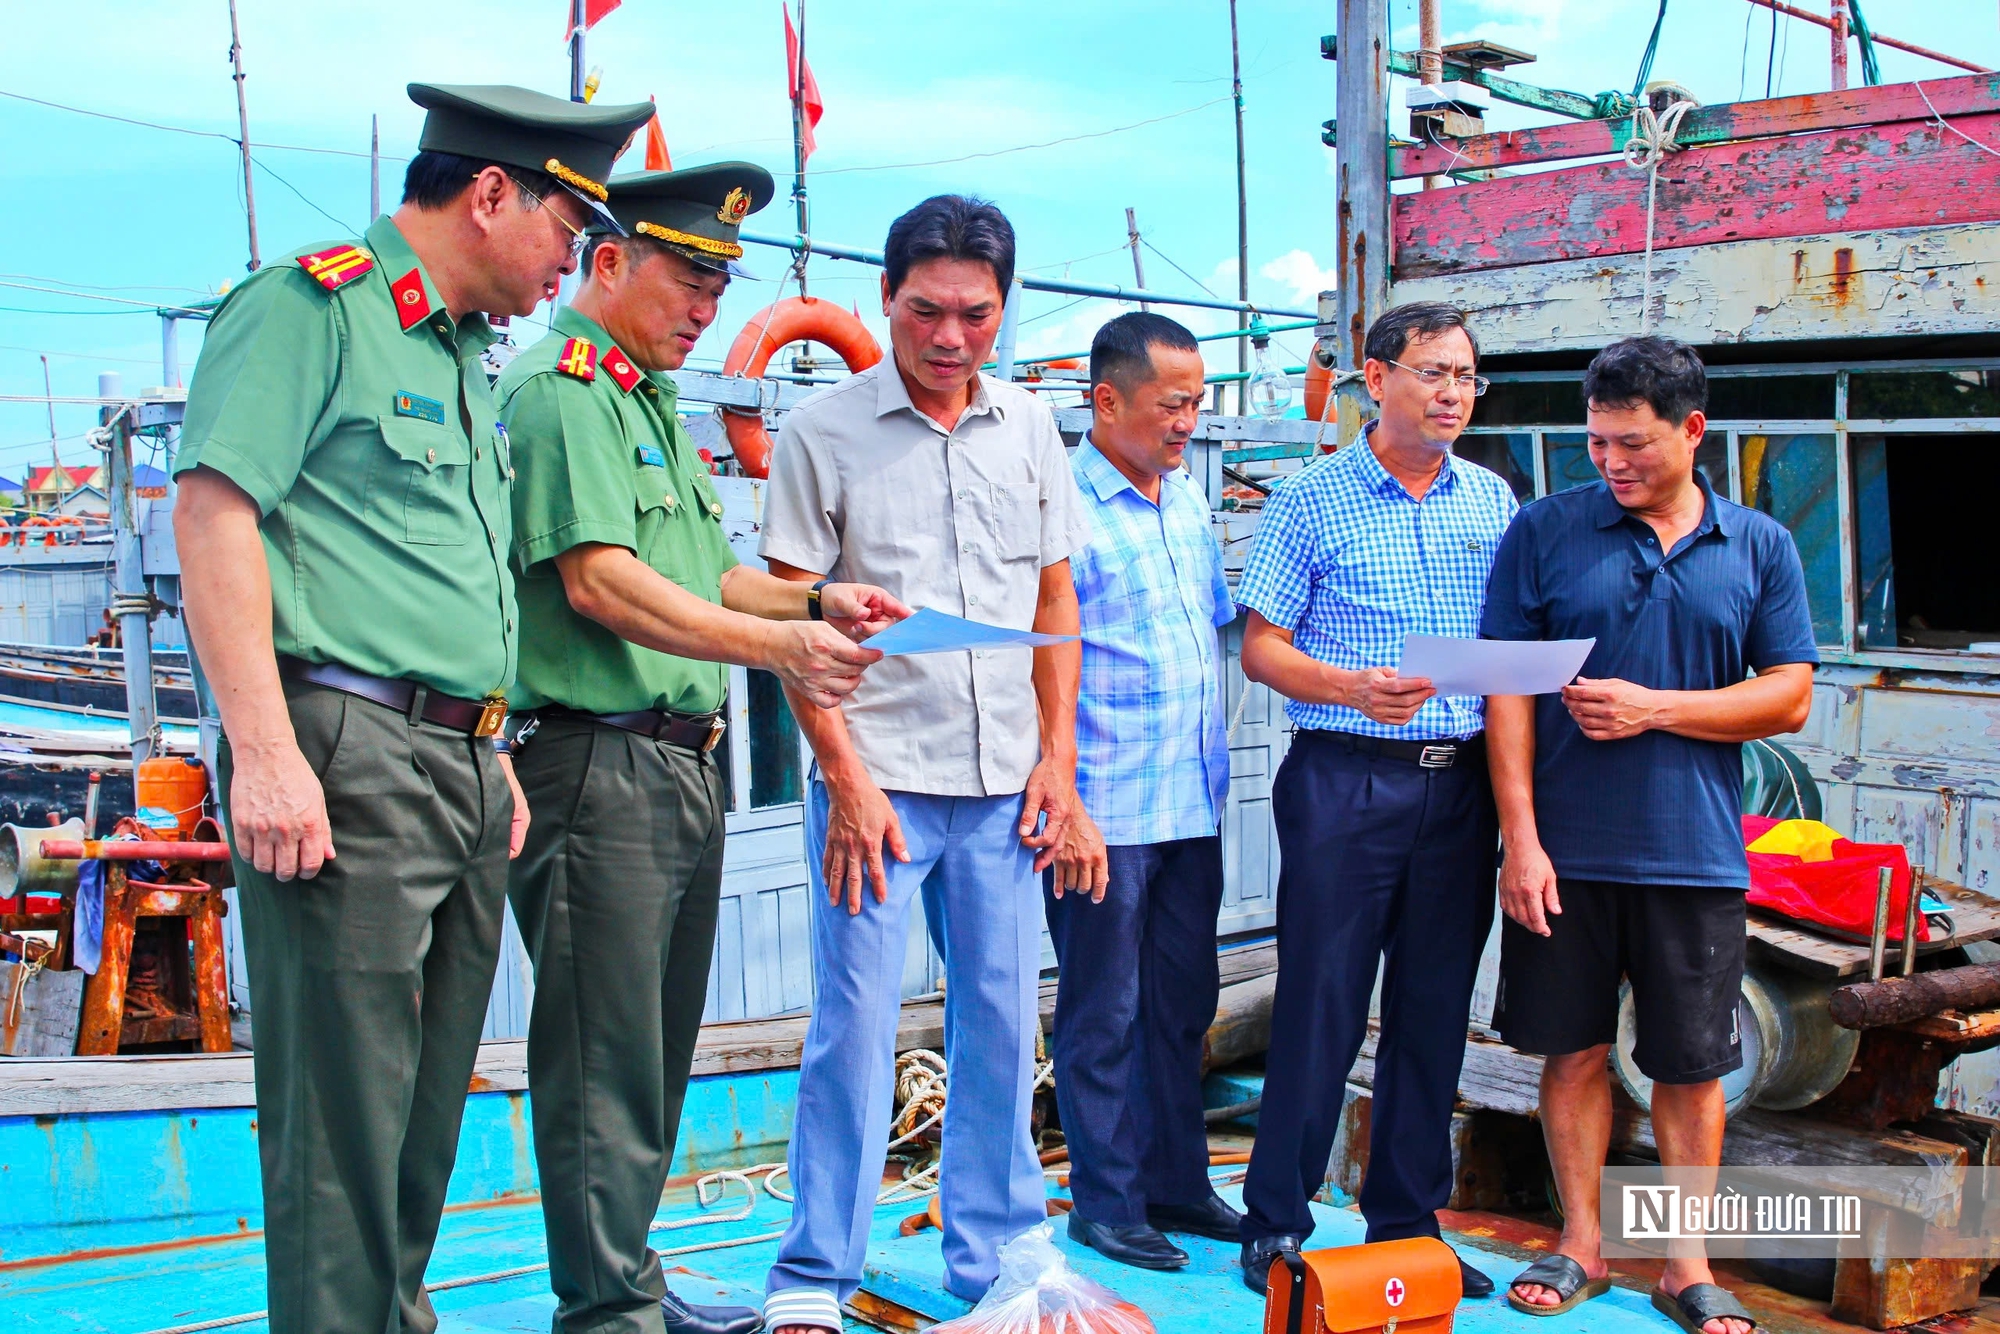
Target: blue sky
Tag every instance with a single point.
(116, 210)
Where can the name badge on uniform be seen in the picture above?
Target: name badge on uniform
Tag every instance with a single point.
(651, 457)
(416, 405)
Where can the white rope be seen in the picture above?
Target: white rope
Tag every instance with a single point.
(1947, 125)
(1652, 139)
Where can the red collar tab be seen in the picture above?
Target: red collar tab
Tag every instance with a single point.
(337, 267)
(620, 368)
(412, 302)
(578, 358)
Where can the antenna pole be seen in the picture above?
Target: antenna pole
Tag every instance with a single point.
(55, 452)
(1242, 219)
(1138, 269)
(799, 145)
(576, 18)
(243, 125)
(374, 167)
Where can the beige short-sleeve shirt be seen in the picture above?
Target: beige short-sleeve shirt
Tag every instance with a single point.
(866, 488)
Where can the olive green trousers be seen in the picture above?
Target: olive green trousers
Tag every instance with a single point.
(368, 990)
(615, 894)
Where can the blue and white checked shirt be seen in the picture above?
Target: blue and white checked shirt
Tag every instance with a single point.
(1152, 751)
(1349, 563)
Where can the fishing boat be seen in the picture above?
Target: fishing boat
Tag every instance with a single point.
(1850, 314)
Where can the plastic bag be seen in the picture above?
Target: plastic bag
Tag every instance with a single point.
(1038, 1293)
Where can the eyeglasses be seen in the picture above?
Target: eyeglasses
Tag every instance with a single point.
(577, 240)
(1433, 377)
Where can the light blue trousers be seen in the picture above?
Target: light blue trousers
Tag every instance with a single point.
(983, 906)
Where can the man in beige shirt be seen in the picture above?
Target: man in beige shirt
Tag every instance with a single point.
(951, 491)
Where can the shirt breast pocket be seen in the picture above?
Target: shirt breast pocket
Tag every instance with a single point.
(418, 486)
(1017, 520)
(659, 506)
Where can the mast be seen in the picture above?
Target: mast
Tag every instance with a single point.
(1837, 29)
(243, 127)
(799, 144)
(374, 168)
(1361, 171)
(576, 18)
(1138, 269)
(1430, 57)
(1242, 220)
(55, 450)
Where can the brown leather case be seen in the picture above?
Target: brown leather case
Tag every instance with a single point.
(1389, 1287)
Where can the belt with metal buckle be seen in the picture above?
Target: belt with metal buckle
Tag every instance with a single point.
(1435, 754)
(698, 732)
(481, 718)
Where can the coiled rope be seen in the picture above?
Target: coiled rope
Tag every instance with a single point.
(1652, 139)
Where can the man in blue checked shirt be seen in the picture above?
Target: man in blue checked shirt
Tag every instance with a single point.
(1383, 808)
(1138, 983)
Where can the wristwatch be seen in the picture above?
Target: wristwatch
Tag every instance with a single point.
(813, 608)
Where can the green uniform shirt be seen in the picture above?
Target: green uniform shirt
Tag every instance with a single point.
(605, 459)
(357, 415)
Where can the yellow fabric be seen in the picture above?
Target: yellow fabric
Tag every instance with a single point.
(1808, 840)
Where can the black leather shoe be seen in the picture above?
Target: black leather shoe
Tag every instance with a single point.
(1138, 1245)
(1472, 1282)
(1257, 1258)
(687, 1318)
(1210, 1218)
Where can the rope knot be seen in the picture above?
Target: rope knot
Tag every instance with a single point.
(1652, 139)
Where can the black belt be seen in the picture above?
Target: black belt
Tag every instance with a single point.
(471, 716)
(1438, 754)
(698, 732)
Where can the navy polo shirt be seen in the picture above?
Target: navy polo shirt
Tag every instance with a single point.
(1730, 597)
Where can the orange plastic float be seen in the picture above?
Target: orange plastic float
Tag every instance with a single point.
(795, 318)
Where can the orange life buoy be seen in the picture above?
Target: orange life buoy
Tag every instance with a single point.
(788, 321)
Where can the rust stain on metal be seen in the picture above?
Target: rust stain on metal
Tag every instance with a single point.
(1843, 275)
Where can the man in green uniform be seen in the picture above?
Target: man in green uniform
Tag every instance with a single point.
(631, 605)
(343, 525)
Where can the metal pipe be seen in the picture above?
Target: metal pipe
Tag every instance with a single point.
(1781, 7)
(1839, 34)
(1109, 291)
(374, 168)
(132, 850)
(1132, 238)
(1430, 58)
(578, 17)
(243, 125)
(1290, 326)
(1911, 912)
(1242, 216)
(1010, 325)
(130, 599)
(1878, 939)
(1362, 243)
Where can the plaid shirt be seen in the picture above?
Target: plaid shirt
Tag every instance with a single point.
(1349, 563)
(1152, 756)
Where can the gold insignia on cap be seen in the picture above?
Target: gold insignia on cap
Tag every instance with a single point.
(576, 180)
(735, 207)
(706, 244)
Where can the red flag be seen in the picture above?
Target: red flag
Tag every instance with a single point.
(800, 84)
(593, 10)
(656, 145)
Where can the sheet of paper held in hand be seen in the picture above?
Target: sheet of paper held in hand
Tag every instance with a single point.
(1494, 666)
(935, 632)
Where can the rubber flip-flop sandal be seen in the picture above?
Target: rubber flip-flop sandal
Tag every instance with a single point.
(1563, 1276)
(1699, 1303)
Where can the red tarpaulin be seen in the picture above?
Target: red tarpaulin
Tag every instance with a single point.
(1837, 893)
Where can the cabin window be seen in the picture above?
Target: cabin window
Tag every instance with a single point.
(775, 778)
(1924, 540)
(1510, 455)
(1531, 403)
(1792, 478)
(1770, 398)
(1883, 395)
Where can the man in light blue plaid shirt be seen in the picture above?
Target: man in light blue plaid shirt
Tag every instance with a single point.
(1383, 808)
(1137, 990)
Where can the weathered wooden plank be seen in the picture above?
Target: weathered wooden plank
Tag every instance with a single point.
(1965, 95)
(1906, 175)
(1920, 281)
(1974, 916)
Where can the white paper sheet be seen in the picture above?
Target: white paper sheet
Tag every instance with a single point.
(936, 632)
(1494, 666)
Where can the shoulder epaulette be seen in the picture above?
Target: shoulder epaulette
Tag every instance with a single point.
(337, 267)
(579, 358)
(620, 368)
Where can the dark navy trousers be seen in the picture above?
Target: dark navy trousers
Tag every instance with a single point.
(1134, 999)
(1383, 860)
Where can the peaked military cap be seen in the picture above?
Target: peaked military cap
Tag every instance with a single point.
(574, 142)
(696, 212)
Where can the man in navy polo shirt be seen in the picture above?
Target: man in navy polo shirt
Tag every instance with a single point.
(1619, 799)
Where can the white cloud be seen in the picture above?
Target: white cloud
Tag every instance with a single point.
(1300, 275)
